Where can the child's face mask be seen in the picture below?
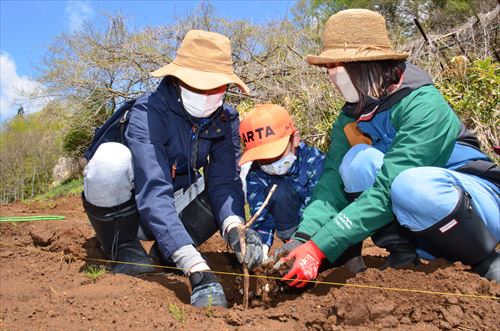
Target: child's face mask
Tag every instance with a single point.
(339, 77)
(201, 105)
(281, 166)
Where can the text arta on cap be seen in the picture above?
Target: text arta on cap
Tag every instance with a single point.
(259, 132)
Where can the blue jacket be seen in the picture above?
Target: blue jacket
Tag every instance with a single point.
(163, 140)
(303, 175)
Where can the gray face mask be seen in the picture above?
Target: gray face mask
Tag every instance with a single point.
(281, 166)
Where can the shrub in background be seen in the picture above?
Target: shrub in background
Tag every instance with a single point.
(472, 89)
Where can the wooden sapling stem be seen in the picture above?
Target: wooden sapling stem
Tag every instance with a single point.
(246, 274)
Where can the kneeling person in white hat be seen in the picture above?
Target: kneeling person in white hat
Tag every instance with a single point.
(149, 186)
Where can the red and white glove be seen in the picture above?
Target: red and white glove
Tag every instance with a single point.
(308, 258)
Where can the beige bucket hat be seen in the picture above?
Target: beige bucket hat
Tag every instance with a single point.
(203, 61)
(355, 35)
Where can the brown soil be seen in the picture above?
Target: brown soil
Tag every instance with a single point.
(43, 287)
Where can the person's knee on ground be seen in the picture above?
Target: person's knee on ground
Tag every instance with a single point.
(111, 208)
(449, 224)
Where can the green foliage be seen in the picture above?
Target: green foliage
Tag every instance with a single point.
(29, 149)
(92, 113)
(76, 140)
(472, 91)
(74, 186)
(94, 272)
(177, 312)
(315, 123)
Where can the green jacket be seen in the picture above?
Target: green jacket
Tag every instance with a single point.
(424, 130)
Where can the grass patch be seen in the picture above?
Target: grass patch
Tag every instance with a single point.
(178, 313)
(93, 272)
(74, 186)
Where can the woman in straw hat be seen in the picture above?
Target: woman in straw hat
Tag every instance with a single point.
(149, 186)
(403, 157)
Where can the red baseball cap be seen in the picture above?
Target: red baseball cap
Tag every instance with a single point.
(266, 131)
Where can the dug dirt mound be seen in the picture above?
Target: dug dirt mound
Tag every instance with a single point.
(44, 287)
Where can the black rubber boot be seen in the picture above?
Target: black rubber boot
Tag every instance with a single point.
(463, 236)
(489, 268)
(352, 259)
(400, 243)
(116, 230)
(206, 290)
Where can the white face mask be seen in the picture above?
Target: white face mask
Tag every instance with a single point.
(281, 166)
(200, 105)
(342, 81)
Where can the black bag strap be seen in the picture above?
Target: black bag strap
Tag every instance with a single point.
(123, 121)
(113, 130)
(484, 169)
(467, 138)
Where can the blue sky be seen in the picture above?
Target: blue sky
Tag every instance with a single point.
(27, 27)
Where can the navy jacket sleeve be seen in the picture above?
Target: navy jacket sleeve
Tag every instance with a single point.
(223, 179)
(146, 139)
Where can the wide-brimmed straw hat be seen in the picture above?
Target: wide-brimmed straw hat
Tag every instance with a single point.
(355, 35)
(266, 131)
(203, 61)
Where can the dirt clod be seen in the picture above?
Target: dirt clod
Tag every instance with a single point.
(42, 237)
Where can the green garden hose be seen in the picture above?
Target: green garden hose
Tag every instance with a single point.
(34, 218)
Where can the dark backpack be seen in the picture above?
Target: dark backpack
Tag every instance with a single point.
(486, 169)
(112, 130)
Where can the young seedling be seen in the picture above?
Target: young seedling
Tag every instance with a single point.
(93, 272)
(209, 309)
(178, 313)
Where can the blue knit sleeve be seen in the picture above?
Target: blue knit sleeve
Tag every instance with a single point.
(264, 224)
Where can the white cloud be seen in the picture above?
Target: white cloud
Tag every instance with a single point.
(15, 90)
(78, 12)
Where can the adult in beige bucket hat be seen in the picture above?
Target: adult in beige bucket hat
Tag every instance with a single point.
(203, 61)
(399, 167)
(165, 168)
